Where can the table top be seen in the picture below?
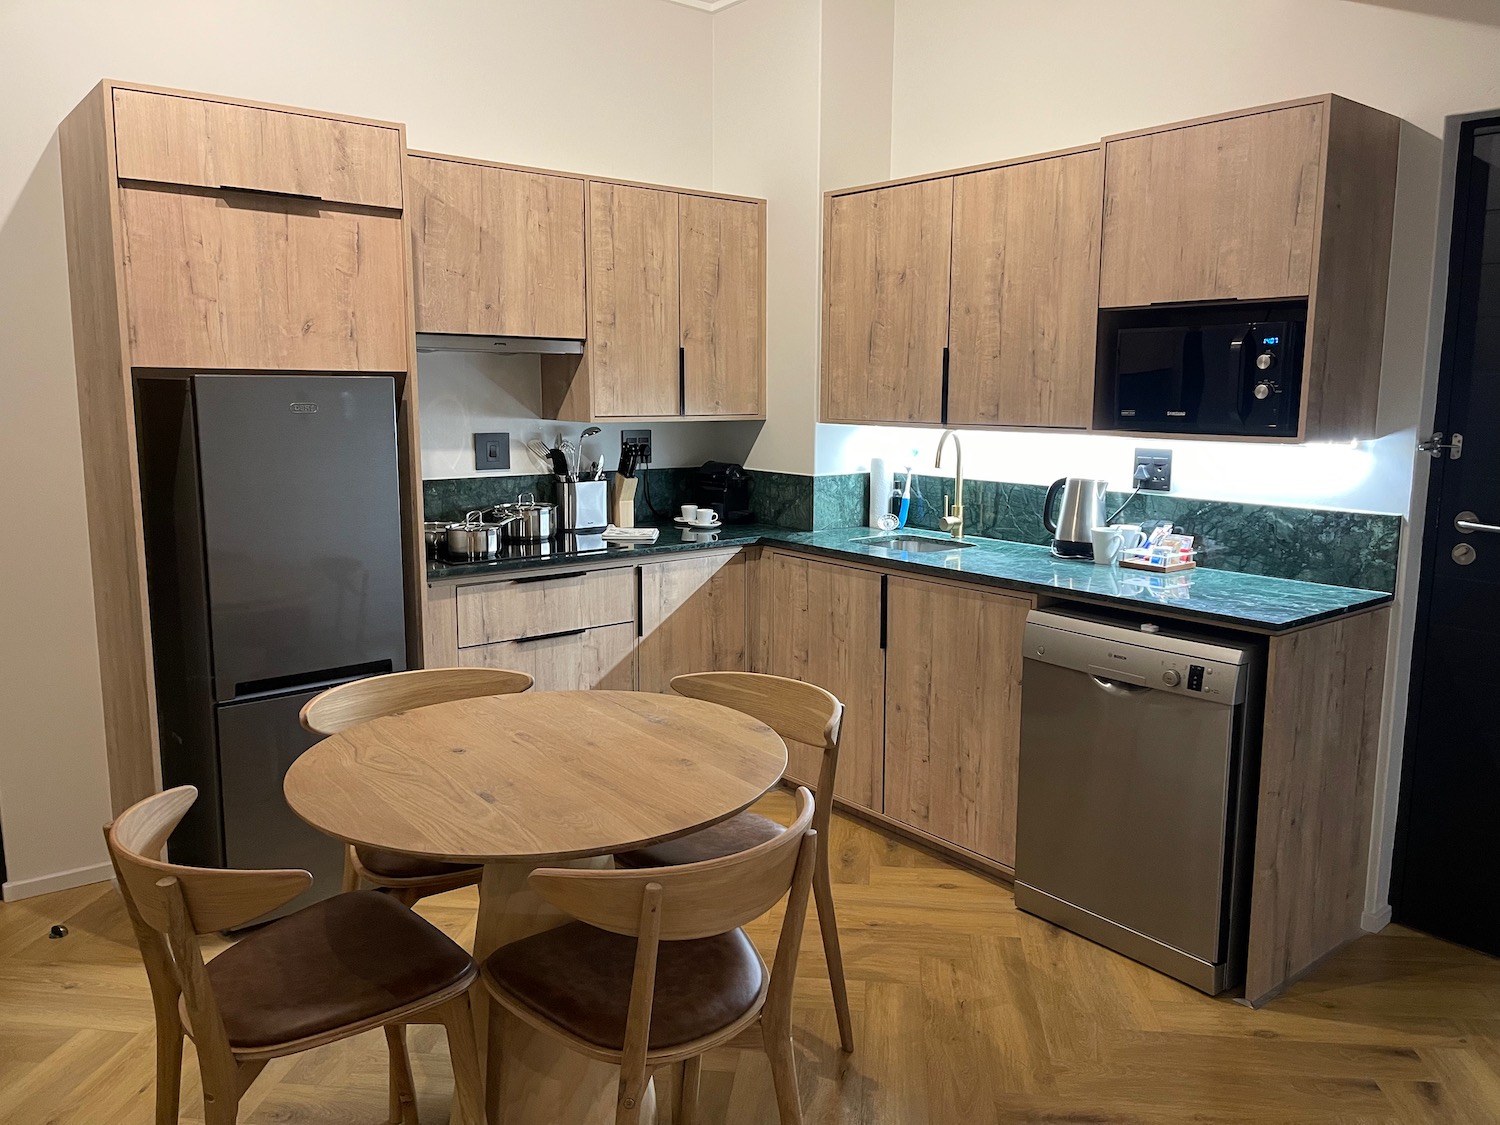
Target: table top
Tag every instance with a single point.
(537, 776)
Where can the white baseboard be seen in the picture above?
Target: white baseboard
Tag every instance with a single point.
(1373, 921)
(18, 889)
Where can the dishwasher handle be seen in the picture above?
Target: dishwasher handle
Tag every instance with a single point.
(1117, 682)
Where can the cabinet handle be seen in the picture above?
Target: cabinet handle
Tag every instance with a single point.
(884, 589)
(682, 380)
(549, 577)
(944, 414)
(548, 636)
(275, 194)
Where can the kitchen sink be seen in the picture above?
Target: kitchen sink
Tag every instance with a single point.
(914, 543)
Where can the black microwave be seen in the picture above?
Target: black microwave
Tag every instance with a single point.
(1234, 370)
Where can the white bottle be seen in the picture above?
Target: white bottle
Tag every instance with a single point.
(881, 481)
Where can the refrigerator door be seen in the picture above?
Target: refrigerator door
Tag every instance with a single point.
(258, 742)
(302, 528)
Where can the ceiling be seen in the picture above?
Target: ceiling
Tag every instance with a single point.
(707, 5)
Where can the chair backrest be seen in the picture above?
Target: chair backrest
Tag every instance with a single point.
(361, 700)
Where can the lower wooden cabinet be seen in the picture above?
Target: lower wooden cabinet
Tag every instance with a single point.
(953, 713)
(825, 629)
(583, 660)
(692, 617)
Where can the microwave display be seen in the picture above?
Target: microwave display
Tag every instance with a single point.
(1197, 371)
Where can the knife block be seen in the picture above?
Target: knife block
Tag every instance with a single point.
(622, 501)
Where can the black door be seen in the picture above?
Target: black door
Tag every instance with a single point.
(1447, 872)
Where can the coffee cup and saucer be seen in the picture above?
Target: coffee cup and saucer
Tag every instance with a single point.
(701, 518)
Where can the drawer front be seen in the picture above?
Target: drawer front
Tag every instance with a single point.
(585, 660)
(541, 606)
(171, 139)
(258, 283)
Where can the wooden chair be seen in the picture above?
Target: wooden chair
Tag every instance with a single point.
(334, 969)
(656, 970)
(799, 712)
(409, 877)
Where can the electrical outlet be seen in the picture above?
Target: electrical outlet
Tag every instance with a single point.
(492, 451)
(640, 440)
(1157, 466)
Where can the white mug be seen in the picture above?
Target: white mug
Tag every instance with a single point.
(1108, 543)
(690, 513)
(1132, 535)
(707, 517)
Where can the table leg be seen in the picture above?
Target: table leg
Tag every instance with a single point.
(544, 1081)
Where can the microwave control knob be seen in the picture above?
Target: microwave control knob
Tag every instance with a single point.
(1265, 389)
(1265, 361)
(1171, 677)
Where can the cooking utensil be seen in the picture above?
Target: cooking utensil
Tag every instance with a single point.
(526, 521)
(538, 449)
(435, 533)
(569, 452)
(473, 538)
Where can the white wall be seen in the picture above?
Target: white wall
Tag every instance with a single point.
(977, 80)
(618, 87)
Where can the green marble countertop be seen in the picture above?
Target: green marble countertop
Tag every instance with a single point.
(1217, 597)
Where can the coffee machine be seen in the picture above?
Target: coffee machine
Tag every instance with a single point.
(725, 488)
(1083, 509)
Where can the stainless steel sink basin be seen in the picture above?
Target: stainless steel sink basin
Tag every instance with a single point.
(913, 543)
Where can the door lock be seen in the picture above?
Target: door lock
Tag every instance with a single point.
(1464, 554)
(1435, 445)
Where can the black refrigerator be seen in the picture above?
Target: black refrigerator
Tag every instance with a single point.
(272, 514)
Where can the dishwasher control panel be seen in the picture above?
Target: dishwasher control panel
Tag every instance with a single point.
(1132, 659)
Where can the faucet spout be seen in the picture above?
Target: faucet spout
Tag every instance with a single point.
(953, 512)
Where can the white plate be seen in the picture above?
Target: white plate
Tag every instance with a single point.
(698, 526)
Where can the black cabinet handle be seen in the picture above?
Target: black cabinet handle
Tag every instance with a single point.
(549, 577)
(682, 380)
(944, 414)
(884, 591)
(549, 636)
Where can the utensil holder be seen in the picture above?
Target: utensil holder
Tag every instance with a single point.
(583, 504)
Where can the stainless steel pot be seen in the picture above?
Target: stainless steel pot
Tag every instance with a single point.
(472, 539)
(526, 521)
(435, 532)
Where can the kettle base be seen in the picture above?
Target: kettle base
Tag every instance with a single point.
(1067, 549)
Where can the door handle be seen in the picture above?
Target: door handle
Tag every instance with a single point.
(1468, 522)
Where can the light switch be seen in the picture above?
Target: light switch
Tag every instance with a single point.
(492, 451)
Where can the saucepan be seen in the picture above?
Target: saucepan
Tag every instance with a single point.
(526, 521)
(473, 538)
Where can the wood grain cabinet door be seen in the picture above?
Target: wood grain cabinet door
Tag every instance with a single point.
(1224, 209)
(600, 659)
(173, 139)
(692, 618)
(723, 317)
(825, 629)
(885, 303)
(634, 338)
(248, 282)
(953, 713)
(1025, 293)
(495, 251)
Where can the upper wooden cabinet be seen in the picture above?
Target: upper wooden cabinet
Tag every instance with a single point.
(722, 261)
(1285, 201)
(885, 303)
(198, 142)
(676, 309)
(496, 251)
(1025, 270)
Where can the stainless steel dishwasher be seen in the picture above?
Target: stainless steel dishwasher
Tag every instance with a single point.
(1139, 758)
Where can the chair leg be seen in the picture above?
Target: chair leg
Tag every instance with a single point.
(784, 1075)
(687, 1092)
(403, 1088)
(468, 1083)
(168, 1071)
(494, 1069)
(828, 925)
(632, 1093)
(351, 876)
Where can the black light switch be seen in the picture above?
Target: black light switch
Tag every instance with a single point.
(492, 451)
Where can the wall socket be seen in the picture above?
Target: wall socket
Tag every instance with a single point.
(492, 451)
(1157, 464)
(641, 440)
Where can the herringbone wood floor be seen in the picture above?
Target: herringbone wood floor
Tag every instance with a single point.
(966, 1011)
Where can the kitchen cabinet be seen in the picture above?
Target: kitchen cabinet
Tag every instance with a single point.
(1025, 277)
(825, 627)
(953, 713)
(676, 309)
(171, 138)
(885, 303)
(692, 617)
(721, 243)
(579, 660)
(251, 282)
(496, 251)
(1286, 201)
(533, 605)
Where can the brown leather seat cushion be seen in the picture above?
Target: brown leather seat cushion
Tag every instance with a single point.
(350, 958)
(730, 837)
(394, 865)
(579, 978)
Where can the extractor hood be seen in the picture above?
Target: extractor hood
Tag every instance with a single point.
(497, 345)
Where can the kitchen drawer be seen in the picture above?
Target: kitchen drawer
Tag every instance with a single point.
(535, 606)
(168, 138)
(579, 660)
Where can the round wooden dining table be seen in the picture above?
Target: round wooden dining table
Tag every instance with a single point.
(541, 779)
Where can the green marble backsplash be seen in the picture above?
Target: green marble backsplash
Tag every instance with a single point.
(1357, 549)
